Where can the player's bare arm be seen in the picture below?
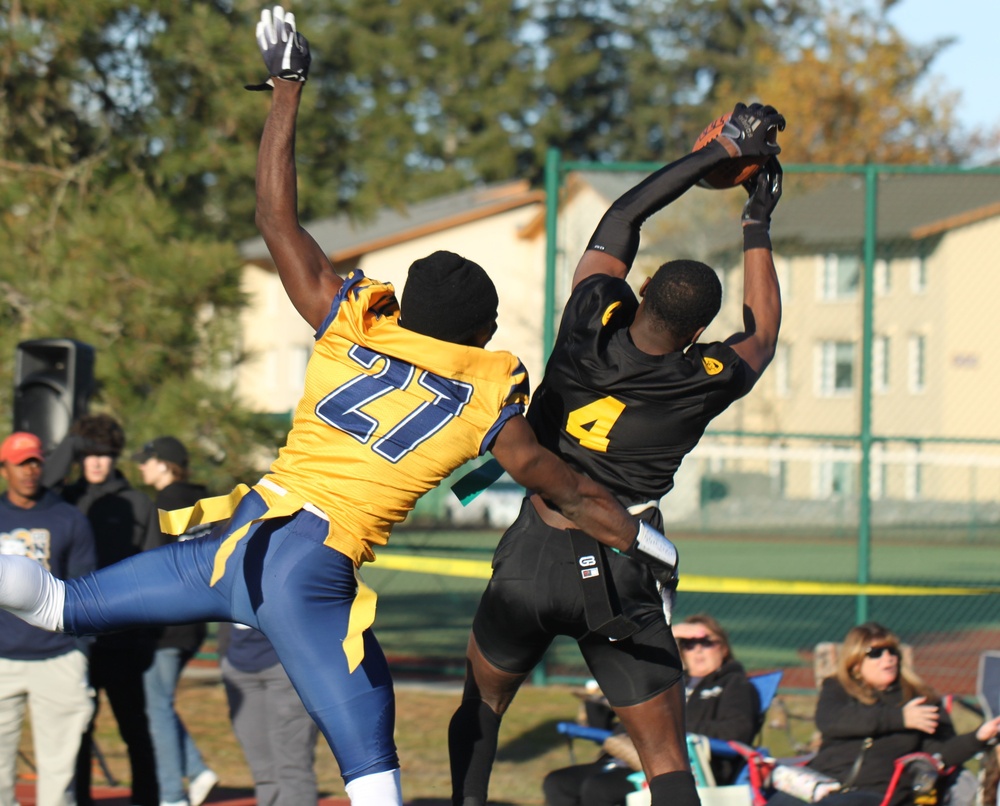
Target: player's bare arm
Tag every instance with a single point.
(589, 505)
(761, 295)
(304, 268)
(614, 244)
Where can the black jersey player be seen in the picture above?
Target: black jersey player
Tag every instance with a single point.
(627, 392)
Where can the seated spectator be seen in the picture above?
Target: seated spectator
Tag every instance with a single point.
(721, 704)
(990, 783)
(875, 710)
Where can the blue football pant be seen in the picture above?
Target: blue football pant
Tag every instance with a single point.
(283, 581)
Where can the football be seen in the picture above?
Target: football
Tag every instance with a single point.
(733, 173)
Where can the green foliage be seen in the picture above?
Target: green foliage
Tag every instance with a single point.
(128, 146)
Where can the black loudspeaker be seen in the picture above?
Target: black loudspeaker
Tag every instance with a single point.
(53, 381)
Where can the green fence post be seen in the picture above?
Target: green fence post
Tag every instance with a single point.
(553, 181)
(864, 499)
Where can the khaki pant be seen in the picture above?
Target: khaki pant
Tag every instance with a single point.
(58, 695)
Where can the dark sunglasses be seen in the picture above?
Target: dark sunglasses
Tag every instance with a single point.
(690, 643)
(876, 652)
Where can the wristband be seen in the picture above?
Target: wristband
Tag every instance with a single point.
(655, 545)
(756, 236)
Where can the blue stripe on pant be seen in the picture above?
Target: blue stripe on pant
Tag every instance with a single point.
(282, 580)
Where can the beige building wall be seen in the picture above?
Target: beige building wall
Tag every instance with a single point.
(277, 341)
(947, 301)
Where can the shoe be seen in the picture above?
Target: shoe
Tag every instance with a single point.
(200, 786)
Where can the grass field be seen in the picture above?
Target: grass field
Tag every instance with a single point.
(529, 744)
(424, 619)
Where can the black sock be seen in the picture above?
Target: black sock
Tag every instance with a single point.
(673, 789)
(472, 747)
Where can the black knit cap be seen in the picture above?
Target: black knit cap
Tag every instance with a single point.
(447, 297)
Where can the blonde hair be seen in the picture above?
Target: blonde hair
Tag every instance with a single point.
(857, 642)
(991, 775)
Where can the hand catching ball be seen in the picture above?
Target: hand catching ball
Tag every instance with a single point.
(735, 171)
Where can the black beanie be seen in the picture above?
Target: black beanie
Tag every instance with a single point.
(447, 297)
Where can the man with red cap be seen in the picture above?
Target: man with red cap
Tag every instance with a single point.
(46, 669)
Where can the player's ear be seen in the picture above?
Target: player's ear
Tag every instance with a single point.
(484, 334)
(697, 335)
(642, 288)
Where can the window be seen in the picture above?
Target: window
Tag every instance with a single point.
(840, 277)
(782, 370)
(298, 356)
(783, 269)
(883, 277)
(880, 364)
(913, 480)
(918, 275)
(917, 363)
(836, 368)
(877, 472)
(834, 477)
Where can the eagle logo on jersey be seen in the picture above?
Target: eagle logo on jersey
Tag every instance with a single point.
(609, 311)
(712, 367)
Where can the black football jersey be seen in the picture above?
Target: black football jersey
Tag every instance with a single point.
(617, 414)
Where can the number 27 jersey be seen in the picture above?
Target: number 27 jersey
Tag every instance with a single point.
(621, 416)
(387, 414)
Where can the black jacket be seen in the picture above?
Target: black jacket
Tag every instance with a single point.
(846, 722)
(124, 523)
(724, 705)
(180, 495)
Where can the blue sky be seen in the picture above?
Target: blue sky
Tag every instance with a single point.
(970, 64)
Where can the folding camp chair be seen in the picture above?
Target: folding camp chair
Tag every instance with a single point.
(767, 687)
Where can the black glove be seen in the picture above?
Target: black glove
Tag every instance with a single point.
(764, 190)
(754, 130)
(285, 51)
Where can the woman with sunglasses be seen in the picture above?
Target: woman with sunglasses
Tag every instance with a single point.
(721, 704)
(874, 710)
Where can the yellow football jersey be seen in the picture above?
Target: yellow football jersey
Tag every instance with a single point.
(387, 414)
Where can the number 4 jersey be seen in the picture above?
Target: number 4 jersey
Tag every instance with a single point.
(621, 416)
(387, 414)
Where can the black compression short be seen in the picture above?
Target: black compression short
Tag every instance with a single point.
(535, 594)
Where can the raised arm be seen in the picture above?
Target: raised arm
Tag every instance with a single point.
(304, 268)
(751, 132)
(761, 295)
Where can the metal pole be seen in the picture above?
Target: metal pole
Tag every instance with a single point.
(553, 181)
(864, 500)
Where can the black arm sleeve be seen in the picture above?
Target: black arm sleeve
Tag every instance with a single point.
(617, 234)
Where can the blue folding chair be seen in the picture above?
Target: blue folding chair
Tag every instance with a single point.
(767, 687)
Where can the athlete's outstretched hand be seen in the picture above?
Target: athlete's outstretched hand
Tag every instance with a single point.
(752, 131)
(763, 191)
(285, 50)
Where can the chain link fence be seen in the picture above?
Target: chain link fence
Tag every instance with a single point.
(866, 462)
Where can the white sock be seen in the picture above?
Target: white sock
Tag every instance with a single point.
(31, 593)
(378, 789)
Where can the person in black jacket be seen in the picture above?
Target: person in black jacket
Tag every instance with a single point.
(874, 710)
(721, 701)
(721, 704)
(163, 463)
(124, 523)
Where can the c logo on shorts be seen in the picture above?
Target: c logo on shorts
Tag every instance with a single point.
(587, 561)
